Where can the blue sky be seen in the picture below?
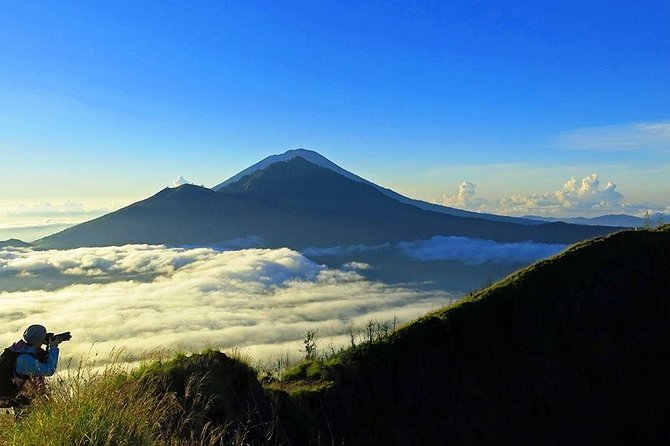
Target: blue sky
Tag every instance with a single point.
(106, 103)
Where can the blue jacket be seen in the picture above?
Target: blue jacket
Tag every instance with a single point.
(28, 365)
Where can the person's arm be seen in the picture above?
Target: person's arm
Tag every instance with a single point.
(26, 364)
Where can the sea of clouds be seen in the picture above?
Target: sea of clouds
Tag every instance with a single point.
(466, 250)
(476, 251)
(142, 298)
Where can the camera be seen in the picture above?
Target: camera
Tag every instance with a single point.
(60, 337)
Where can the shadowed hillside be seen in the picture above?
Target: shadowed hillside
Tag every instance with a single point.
(572, 350)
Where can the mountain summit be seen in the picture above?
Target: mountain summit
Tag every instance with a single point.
(308, 155)
(298, 203)
(320, 160)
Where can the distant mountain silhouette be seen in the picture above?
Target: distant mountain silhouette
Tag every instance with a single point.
(619, 220)
(14, 243)
(293, 203)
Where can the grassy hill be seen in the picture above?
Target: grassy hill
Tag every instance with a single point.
(572, 350)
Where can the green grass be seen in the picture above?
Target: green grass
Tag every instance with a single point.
(89, 407)
(117, 406)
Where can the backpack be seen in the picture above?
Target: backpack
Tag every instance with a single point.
(8, 389)
(11, 383)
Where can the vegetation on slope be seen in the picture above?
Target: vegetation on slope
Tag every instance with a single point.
(93, 408)
(574, 349)
(202, 399)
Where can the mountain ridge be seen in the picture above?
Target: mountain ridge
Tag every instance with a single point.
(616, 220)
(572, 350)
(14, 243)
(297, 204)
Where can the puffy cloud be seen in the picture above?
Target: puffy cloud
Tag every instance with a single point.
(147, 297)
(636, 136)
(476, 252)
(577, 197)
(465, 197)
(180, 182)
(588, 193)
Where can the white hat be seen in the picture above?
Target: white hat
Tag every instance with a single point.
(35, 335)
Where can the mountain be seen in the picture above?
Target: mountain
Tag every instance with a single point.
(619, 220)
(572, 350)
(318, 159)
(13, 243)
(293, 203)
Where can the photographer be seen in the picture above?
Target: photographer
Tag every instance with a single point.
(30, 361)
(25, 364)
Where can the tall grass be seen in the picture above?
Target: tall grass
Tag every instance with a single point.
(108, 406)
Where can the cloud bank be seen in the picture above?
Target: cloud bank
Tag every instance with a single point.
(476, 252)
(29, 222)
(587, 197)
(469, 251)
(145, 297)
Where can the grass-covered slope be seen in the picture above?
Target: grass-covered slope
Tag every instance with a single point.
(221, 396)
(207, 398)
(572, 350)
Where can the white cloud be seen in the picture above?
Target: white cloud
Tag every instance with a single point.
(361, 266)
(180, 182)
(476, 252)
(465, 197)
(146, 297)
(588, 193)
(585, 197)
(636, 136)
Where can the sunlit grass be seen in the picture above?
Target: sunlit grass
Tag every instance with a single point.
(89, 405)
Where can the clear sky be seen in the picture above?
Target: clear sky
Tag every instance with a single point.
(105, 103)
